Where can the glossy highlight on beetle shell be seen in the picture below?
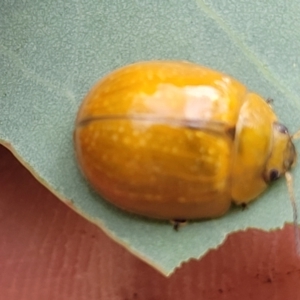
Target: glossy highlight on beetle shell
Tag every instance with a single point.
(175, 140)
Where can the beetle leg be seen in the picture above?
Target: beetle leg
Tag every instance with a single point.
(177, 223)
(244, 205)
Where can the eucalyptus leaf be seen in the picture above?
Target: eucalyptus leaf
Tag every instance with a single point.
(52, 52)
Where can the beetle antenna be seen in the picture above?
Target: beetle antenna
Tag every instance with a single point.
(289, 180)
(296, 135)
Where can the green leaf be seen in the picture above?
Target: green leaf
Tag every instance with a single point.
(52, 52)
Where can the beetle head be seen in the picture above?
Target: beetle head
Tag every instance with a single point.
(282, 156)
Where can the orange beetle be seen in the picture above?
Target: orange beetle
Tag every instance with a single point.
(175, 140)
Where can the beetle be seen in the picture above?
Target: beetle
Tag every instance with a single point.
(179, 141)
